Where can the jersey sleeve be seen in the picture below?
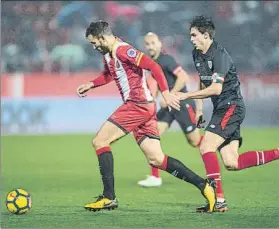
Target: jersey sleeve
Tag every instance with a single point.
(171, 65)
(104, 78)
(221, 66)
(127, 53)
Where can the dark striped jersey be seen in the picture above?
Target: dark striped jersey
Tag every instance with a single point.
(217, 66)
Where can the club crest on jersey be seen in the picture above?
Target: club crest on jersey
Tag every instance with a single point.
(209, 64)
(131, 53)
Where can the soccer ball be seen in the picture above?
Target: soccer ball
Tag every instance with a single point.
(18, 201)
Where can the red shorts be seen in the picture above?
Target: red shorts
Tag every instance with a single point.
(138, 118)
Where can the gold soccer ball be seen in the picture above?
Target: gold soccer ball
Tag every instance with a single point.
(18, 201)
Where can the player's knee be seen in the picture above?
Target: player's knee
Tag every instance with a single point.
(98, 142)
(205, 148)
(156, 160)
(193, 142)
(231, 165)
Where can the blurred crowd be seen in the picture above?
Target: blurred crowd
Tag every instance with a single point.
(50, 36)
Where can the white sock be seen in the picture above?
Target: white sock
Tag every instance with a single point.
(220, 199)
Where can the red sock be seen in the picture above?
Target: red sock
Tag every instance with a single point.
(213, 171)
(155, 172)
(255, 158)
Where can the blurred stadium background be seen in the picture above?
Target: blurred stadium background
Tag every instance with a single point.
(45, 56)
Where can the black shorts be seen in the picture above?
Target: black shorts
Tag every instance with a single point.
(226, 122)
(186, 117)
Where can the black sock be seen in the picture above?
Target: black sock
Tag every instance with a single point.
(106, 170)
(179, 170)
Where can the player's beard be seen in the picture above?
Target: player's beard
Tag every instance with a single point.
(103, 50)
(152, 53)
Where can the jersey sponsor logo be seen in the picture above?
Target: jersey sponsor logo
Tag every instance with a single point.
(132, 53)
(206, 77)
(209, 64)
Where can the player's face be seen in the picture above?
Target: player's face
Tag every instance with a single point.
(100, 44)
(153, 45)
(197, 38)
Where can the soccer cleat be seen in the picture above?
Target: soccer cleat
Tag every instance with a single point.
(151, 181)
(209, 192)
(219, 207)
(102, 203)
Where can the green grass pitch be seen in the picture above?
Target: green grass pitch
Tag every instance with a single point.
(61, 173)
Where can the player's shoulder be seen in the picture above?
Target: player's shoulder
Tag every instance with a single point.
(165, 57)
(219, 49)
(124, 48)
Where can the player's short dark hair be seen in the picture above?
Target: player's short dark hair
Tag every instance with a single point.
(203, 25)
(98, 29)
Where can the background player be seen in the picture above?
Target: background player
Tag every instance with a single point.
(219, 81)
(176, 79)
(137, 114)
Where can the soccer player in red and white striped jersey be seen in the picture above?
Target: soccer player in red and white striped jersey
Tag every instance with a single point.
(126, 66)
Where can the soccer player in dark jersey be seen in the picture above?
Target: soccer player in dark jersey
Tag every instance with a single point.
(127, 66)
(177, 79)
(219, 81)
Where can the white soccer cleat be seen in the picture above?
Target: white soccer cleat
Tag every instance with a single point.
(151, 181)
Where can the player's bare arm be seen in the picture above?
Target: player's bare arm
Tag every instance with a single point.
(214, 89)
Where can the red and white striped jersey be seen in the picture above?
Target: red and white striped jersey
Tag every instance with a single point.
(123, 67)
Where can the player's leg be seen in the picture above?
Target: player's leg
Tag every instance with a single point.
(230, 156)
(186, 118)
(235, 162)
(257, 158)
(208, 148)
(125, 119)
(194, 138)
(224, 123)
(148, 140)
(107, 134)
(165, 119)
(221, 127)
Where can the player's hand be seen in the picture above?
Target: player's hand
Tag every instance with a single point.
(83, 88)
(171, 100)
(181, 95)
(162, 102)
(198, 114)
(200, 120)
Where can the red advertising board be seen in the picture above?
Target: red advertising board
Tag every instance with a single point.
(56, 85)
